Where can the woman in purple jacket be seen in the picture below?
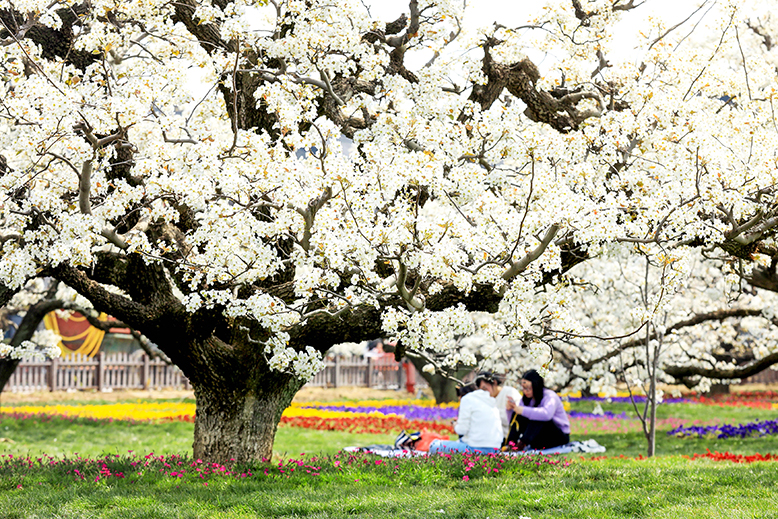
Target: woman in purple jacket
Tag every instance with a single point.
(541, 418)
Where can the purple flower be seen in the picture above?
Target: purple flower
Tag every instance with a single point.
(411, 412)
(607, 414)
(626, 399)
(745, 430)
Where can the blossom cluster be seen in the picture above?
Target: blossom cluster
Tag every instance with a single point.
(43, 345)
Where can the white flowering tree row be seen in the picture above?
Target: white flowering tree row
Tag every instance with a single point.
(248, 184)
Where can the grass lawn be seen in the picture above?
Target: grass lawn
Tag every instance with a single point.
(668, 486)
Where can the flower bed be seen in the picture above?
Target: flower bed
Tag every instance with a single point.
(758, 428)
(715, 456)
(373, 423)
(392, 416)
(754, 399)
(126, 411)
(734, 458)
(622, 399)
(409, 411)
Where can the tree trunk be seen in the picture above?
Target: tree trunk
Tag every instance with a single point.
(443, 388)
(652, 421)
(652, 398)
(7, 368)
(718, 389)
(32, 318)
(239, 398)
(241, 427)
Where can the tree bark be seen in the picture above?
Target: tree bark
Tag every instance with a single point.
(651, 450)
(7, 368)
(241, 428)
(718, 389)
(443, 388)
(240, 399)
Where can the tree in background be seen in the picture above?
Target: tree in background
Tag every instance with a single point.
(645, 320)
(27, 341)
(30, 304)
(248, 185)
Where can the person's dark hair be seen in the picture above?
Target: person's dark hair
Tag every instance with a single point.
(488, 377)
(468, 388)
(537, 387)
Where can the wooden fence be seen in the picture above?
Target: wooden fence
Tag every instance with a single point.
(108, 371)
(104, 372)
(768, 376)
(374, 372)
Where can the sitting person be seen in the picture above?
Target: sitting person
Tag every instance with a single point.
(478, 424)
(490, 383)
(540, 421)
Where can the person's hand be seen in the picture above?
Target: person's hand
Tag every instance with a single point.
(511, 403)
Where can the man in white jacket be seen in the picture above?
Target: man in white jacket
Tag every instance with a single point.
(478, 424)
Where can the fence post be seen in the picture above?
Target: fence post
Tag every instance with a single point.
(144, 383)
(53, 374)
(370, 372)
(100, 372)
(336, 372)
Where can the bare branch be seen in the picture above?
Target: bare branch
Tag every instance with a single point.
(84, 187)
(150, 348)
(66, 161)
(674, 27)
(715, 373)
(309, 213)
(519, 266)
(328, 86)
(718, 315)
(745, 66)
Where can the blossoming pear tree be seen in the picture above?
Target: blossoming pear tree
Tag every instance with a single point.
(249, 184)
(704, 325)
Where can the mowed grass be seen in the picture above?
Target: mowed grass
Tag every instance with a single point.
(668, 486)
(662, 487)
(60, 437)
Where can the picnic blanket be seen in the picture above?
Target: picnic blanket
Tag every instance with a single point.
(388, 451)
(577, 446)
